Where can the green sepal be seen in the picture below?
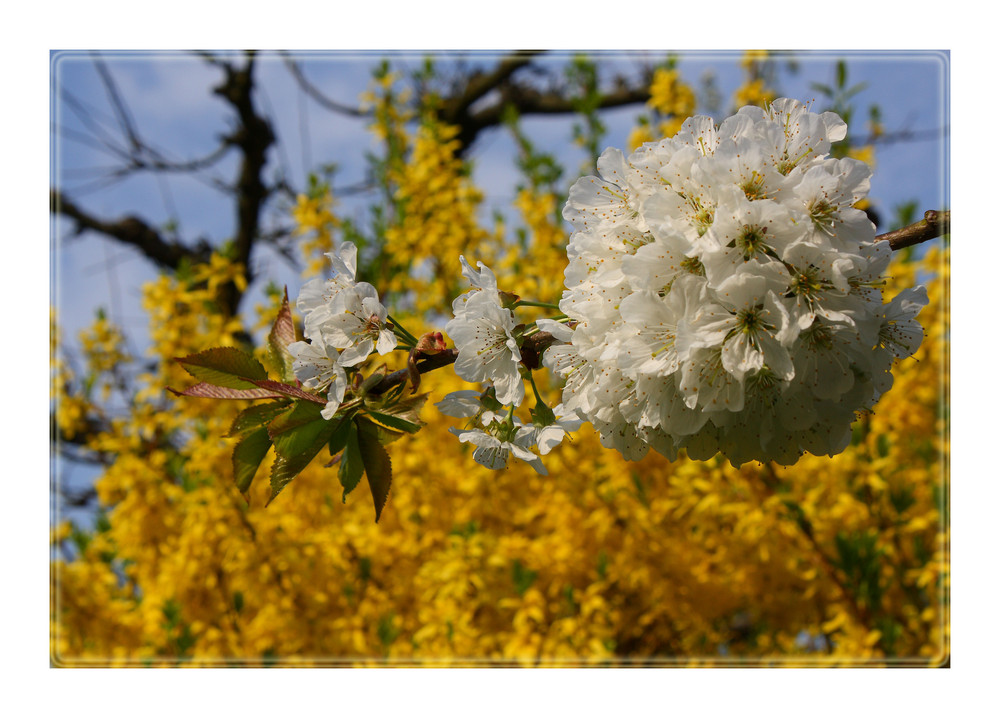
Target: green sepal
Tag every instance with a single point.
(352, 464)
(225, 366)
(247, 457)
(378, 467)
(542, 415)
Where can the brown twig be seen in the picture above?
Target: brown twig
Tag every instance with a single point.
(436, 361)
(531, 351)
(934, 224)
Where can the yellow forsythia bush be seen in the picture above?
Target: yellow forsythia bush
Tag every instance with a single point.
(603, 562)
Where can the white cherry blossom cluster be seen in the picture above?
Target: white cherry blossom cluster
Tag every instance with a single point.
(484, 334)
(725, 293)
(343, 322)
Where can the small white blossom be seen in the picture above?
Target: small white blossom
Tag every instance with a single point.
(360, 327)
(466, 404)
(482, 331)
(494, 452)
(320, 299)
(551, 435)
(316, 365)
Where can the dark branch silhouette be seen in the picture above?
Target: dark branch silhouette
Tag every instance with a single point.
(251, 137)
(132, 231)
(313, 92)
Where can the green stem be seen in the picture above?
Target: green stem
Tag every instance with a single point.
(526, 303)
(543, 414)
(534, 388)
(561, 318)
(509, 420)
(405, 334)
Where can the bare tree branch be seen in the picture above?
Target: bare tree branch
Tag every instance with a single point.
(531, 351)
(122, 113)
(934, 224)
(132, 231)
(524, 98)
(253, 137)
(315, 94)
(478, 84)
(435, 361)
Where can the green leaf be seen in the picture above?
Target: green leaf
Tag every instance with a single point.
(352, 464)
(378, 467)
(287, 466)
(225, 366)
(247, 456)
(855, 89)
(523, 577)
(256, 416)
(300, 439)
(385, 434)
(406, 409)
(338, 439)
(296, 415)
(394, 422)
(282, 334)
(883, 445)
(820, 87)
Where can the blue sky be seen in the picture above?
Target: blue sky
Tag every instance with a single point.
(170, 100)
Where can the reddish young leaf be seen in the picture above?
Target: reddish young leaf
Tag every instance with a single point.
(205, 390)
(282, 334)
(289, 390)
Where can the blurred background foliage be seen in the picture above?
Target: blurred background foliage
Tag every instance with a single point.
(838, 561)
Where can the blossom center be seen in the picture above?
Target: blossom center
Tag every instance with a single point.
(752, 240)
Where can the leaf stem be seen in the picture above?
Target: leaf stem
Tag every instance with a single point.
(526, 303)
(561, 318)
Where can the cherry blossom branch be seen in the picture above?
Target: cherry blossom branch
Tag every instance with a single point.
(934, 224)
(531, 351)
(434, 361)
